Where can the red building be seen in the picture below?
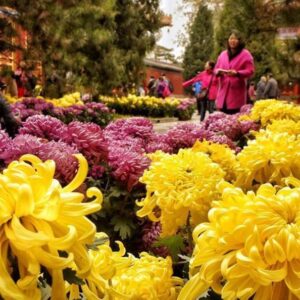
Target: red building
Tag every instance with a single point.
(173, 73)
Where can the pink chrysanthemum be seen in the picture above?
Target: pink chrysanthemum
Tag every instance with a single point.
(89, 140)
(21, 144)
(62, 154)
(46, 127)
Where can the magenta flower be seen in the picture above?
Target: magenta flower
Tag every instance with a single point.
(62, 154)
(5, 140)
(127, 166)
(151, 234)
(46, 127)
(21, 144)
(158, 142)
(89, 140)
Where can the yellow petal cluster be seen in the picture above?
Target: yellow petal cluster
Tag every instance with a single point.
(146, 278)
(40, 220)
(141, 102)
(265, 111)
(269, 158)
(220, 154)
(250, 247)
(289, 126)
(67, 100)
(119, 277)
(178, 185)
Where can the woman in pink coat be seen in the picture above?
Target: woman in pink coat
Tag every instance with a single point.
(234, 67)
(209, 88)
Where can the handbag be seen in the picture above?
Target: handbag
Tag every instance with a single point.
(204, 93)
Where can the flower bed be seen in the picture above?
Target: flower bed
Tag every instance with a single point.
(224, 193)
(85, 112)
(151, 106)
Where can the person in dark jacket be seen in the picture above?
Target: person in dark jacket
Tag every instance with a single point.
(7, 120)
(260, 89)
(271, 90)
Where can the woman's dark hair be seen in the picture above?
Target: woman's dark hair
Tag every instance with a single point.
(211, 64)
(240, 47)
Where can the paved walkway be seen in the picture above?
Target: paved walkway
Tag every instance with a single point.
(164, 125)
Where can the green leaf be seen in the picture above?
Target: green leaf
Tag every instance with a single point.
(174, 244)
(122, 226)
(70, 277)
(97, 242)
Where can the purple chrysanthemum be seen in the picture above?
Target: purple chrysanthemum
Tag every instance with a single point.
(137, 128)
(21, 144)
(158, 142)
(5, 140)
(127, 166)
(46, 127)
(185, 135)
(151, 234)
(62, 154)
(89, 140)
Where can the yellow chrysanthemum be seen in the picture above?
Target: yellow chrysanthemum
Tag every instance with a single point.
(39, 220)
(220, 154)
(105, 263)
(265, 111)
(146, 278)
(249, 248)
(177, 185)
(268, 158)
(119, 277)
(288, 126)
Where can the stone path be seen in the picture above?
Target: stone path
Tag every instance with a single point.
(164, 125)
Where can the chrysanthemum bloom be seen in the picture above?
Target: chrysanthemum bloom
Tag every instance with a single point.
(4, 140)
(220, 154)
(127, 165)
(146, 278)
(268, 158)
(137, 128)
(63, 156)
(46, 127)
(265, 111)
(288, 126)
(40, 220)
(89, 140)
(21, 144)
(250, 247)
(185, 135)
(120, 277)
(179, 185)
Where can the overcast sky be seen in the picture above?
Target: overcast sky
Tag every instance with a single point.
(169, 35)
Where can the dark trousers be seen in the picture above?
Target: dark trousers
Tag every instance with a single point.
(6, 118)
(229, 111)
(204, 105)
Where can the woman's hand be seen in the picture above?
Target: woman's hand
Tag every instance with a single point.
(232, 73)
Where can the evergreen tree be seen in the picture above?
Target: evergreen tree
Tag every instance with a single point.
(201, 43)
(257, 24)
(91, 44)
(136, 25)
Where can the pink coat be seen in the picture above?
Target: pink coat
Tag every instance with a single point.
(233, 89)
(205, 77)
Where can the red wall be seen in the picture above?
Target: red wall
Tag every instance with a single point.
(174, 76)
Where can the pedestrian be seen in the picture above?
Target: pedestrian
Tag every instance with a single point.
(234, 67)
(162, 89)
(251, 92)
(21, 79)
(261, 85)
(271, 90)
(206, 97)
(7, 120)
(151, 86)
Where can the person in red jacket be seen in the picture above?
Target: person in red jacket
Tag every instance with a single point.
(207, 96)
